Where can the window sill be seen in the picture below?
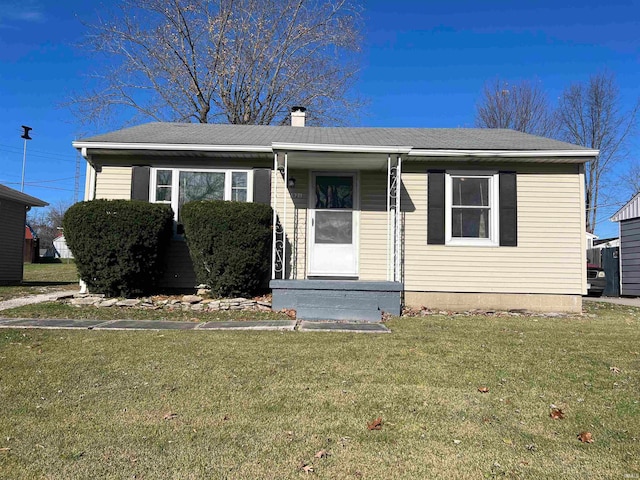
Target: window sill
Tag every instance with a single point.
(471, 242)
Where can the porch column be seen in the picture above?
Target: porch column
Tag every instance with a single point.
(274, 229)
(397, 277)
(279, 247)
(394, 239)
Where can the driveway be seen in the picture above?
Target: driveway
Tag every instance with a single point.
(628, 301)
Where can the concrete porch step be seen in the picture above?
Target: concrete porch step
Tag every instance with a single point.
(337, 299)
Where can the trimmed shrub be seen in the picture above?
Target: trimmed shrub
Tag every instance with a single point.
(119, 245)
(230, 244)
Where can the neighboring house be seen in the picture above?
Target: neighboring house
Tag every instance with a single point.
(13, 215)
(628, 218)
(31, 249)
(369, 219)
(611, 242)
(61, 248)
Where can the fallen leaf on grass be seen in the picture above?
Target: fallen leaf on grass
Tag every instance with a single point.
(289, 312)
(614, 370)
(483, 389)
(585, 437)
(305, 467)
(375, 424)
(170, 416)
(321, 454)
(556, 414)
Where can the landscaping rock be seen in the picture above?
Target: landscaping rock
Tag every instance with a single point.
(84, 301)
(129, 302)
(191, 299)
(108, 303)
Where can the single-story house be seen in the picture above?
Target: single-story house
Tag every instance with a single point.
(628, 218)
(371, 219)
(13, 216)
(61, 249)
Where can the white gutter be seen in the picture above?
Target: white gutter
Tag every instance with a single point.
(320, 147)
(325, 147)
(172, 147)
(502, 153)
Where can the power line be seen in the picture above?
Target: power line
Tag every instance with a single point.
(37, 151)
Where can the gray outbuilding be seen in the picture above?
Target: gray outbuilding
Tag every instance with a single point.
(13, 215)
(628, 218)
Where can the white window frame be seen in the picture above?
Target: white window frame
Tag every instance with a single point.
(494, 209)
(175, 183)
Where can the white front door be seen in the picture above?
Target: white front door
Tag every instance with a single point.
(333, 225)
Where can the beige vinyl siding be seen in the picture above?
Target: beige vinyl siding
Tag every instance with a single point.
(13, 216)
(373, 225)
(549, 257)
(114, 183)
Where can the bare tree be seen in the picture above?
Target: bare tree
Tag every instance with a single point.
(236, 61)
(47, 223)
(591, 115)
(523, 107)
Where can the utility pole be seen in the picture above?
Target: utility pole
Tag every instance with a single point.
(26, 137)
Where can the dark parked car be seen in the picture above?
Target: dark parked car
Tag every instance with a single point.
(596, 280)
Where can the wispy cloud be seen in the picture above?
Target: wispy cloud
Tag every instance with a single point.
(12, 12)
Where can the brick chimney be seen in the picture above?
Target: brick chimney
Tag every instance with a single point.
(297, 116)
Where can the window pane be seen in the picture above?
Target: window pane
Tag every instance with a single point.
(163, 194)
(239, 195)
(239, 179)
(471, 191)
(470, 222)
(163, 177)
(200, 186)
(334, 227)
(334, 192)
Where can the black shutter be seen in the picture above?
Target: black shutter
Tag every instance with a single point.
(140, 183)
(435, 208)
(262, 185)
(508, 210)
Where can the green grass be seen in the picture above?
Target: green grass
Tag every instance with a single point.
(91, 404)
(43, 278)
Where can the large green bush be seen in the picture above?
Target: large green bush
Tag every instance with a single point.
(119, 245)
(230, 244)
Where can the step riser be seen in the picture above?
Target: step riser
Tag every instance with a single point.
(344, 302)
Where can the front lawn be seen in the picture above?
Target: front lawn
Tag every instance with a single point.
(110, 404)
(43, 278)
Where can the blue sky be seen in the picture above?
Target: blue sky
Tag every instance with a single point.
(424, 65)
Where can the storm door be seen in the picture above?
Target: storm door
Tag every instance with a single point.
(333, 225)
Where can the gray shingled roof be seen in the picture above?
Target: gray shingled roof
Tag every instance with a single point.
(19, 197)
(260, 135)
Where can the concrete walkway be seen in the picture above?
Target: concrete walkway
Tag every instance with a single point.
(629, 302)
(31, 299)
(290, 325)
(57, 323)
